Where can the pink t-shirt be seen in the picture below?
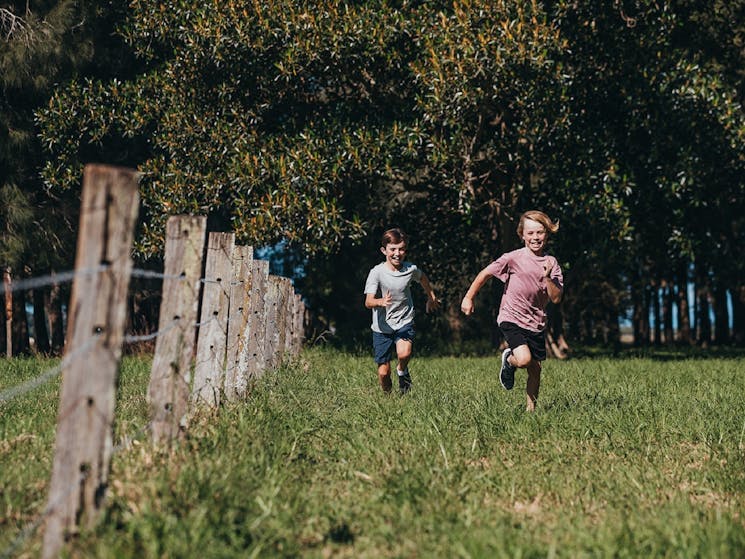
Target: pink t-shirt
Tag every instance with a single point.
(525, 292)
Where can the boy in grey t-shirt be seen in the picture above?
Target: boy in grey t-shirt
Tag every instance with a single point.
(388, 294)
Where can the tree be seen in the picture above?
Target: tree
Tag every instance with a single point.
(321, 123)
(43, 42)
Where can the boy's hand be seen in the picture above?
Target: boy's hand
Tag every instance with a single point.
(432, 304)
(466, 306)
(387, 299)
(547, 267)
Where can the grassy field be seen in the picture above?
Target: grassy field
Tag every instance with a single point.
(625, 457)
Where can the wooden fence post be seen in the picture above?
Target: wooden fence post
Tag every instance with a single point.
(299, 324)
(273, 302)
(209, 370)
(170, 376)
(255, 356)
(240, 295)
(96, 318)
(287, 322)
(8, 285)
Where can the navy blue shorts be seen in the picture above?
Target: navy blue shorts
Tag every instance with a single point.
(384, 344)
(516, 336)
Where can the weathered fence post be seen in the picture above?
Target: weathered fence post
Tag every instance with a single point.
(298, 317)
(288, 301)
(8, 285)
(96, 318)
(255, 356)
(273, 302)
(209, 370)
(240, 295)
(170, 376)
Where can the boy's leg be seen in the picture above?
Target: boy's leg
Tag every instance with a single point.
(533, 385)
(384, 377)
(403, 352)
(404, 349)
(521, 356)
(383, 350)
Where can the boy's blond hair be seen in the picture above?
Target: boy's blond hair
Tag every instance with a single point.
(540, 217)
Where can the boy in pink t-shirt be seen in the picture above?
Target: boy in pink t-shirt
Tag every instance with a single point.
(531, 279)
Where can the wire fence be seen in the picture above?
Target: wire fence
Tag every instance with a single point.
(268, 322)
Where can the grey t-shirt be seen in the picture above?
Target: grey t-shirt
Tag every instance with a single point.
(400, 312)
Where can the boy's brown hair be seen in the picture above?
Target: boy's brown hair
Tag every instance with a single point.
(394, 236)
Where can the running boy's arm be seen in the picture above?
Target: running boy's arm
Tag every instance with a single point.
(433, 302)
(552, 287)
(371, 301)
(467, 304)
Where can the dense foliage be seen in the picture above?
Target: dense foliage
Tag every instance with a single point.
(321, 123)
(43, 43)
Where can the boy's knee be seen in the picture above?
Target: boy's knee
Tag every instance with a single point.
(522, 358)
(404, 350)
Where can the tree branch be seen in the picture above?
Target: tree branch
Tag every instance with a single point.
(12, 26)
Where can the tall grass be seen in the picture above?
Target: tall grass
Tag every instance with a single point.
(624, 457)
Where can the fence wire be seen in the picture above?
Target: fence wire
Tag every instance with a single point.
(50, 279)
(147, 337)
(30, 384)
(21, 389)
(150, 274)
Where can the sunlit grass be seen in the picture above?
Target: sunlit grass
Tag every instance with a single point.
(624, 458)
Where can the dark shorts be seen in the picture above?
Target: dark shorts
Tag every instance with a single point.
(516, 336)
(384, 344)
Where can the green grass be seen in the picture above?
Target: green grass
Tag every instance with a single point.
(625, 457)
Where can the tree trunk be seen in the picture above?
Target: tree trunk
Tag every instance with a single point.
(643, 318)
(556, 345)
(3, 338)
(614, 329)
(721, 314)
(702, 312)
(53, 304)
(738, 315)
(41, 332)
(667, 310)
(497, 338)
(21, 344)
(655, 293)
(684, 319)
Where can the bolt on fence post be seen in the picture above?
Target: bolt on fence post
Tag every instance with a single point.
(96, 318)
(170, 376)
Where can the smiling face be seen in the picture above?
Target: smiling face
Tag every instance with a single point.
(394, 254)
(534, 236)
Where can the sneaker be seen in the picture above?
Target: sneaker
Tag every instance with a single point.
(507, 373)
(404, 382)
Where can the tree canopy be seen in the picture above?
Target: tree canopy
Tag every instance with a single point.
(321, 123)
